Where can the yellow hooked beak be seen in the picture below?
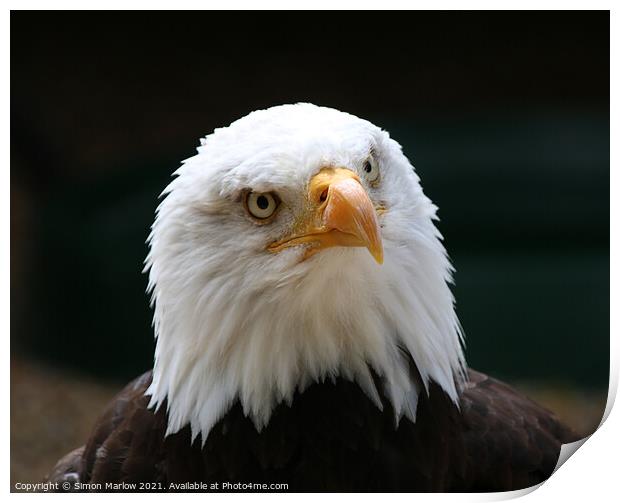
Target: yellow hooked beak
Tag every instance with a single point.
(338, 212)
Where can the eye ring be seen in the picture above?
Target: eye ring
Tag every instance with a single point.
(370, 171)
(261, 206)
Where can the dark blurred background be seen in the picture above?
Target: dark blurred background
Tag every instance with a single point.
(505, 116)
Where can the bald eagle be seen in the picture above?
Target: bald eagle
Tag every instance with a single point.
(306, 333)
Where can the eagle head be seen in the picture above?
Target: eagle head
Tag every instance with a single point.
(297, 246)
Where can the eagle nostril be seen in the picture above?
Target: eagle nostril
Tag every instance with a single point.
(323, 196)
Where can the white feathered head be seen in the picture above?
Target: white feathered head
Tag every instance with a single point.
(297, 246)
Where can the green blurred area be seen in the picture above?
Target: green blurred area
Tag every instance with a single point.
(524, 207)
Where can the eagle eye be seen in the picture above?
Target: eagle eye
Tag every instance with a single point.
(261, 205)
(371, 171)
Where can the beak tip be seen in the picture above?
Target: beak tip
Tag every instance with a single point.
(377, 255)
